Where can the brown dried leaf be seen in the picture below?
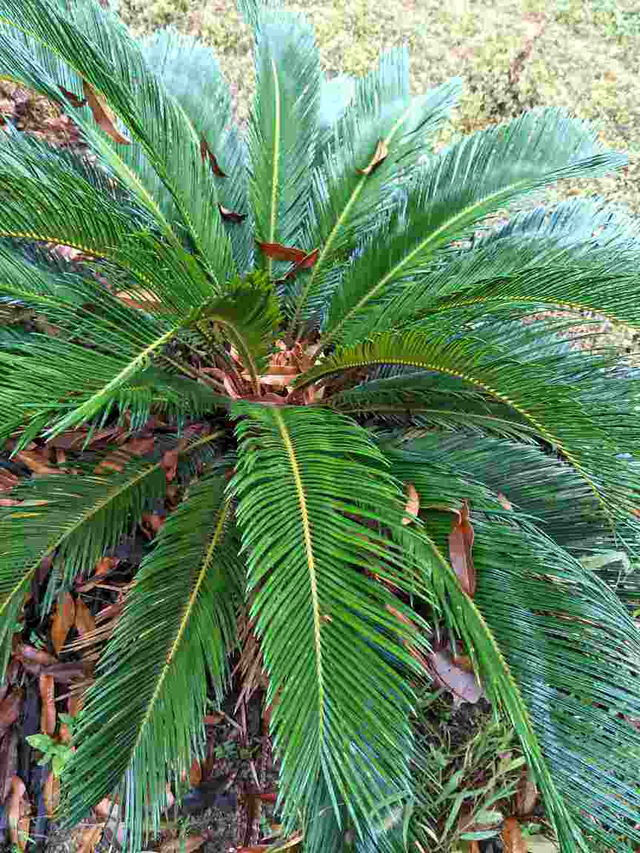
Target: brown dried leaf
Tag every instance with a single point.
(63, 620)
(207, 154)
(88, 838)
(506, 503)
(412, 507)
(8, 762)
(183, 845)
(36, 462)
(283, 253)
(51, 794)
(195, 774)
(526, 793)
(10, 709)
(74, 100)
(460, 550)
(48, 705)
(103, 115)
(85, 623)
(461, 683)
(511, 835)
(152, 524)
(231, 215)
(26, 653)
(18, 813)
(380, 155)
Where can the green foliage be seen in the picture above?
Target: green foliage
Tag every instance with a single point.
(394, 337)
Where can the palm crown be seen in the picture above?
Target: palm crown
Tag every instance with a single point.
(314, 298)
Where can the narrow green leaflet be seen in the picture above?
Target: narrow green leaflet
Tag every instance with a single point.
(283, 127)
(311, 491)
(457, 188)
(150, 692)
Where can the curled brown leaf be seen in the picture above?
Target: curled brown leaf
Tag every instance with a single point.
(63, 620)
(512, 839)
(278, 252)
(18, 813)
(10, 708)
(231, 215)
(51, 794)
(380, 155)
(102, 115)
(47, 705)
(207, 154)
(73, 99)
(412, 507)
(460, 550)
(462, 684)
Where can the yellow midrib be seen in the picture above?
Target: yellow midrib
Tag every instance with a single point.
(186, 615)
(310, 558)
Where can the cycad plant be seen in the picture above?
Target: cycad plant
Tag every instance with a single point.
(385, 438)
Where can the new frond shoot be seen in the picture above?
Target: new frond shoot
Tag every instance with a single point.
(289, 397)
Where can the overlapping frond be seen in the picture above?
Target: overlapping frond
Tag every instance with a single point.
(163, 165)
(150, 692)
(349, 203)
(557, 649)
(312, 494)
(577, 402)
(460, 186)
(582, 256)
(190, 72)
(283, 127)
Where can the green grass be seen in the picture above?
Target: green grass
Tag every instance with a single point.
(585, 57)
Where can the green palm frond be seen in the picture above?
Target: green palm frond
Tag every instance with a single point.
(550, 386)
(179, 620)
(283, 127)
(190, 72)
(457, 188)
(583, 256)
(348, 205)
(74, 518)
(322, 623)
(556, 647)
(165, 150)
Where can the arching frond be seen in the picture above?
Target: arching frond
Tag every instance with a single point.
(459, 187)
(150, 692)
(96, 49)
(283, 127)
(348, 202)
(190, 72)
(553, 388)
(312, 491)
(583, 256)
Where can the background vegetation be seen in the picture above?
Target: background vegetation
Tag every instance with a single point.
(512, 55)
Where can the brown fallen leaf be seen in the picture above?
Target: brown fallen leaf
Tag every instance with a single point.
(88, 838)
(18, 813)
(36, 462)
(8, 762)
(183, 845)
(231, 215)
(73, 99)
(63, 620)
(278, 252)
(504, 500)
(526, 793)
(10, 708)
(48, 705)
(379, 156)
(462, 684)
(460, 550)
(207, 154)
(304, 263)
(511, 835)
(195, 774)
(25, 653)
(102, 115)
(84, 622)
(51, 794)
(412, 507)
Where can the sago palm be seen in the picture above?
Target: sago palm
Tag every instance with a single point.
(315, 310)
